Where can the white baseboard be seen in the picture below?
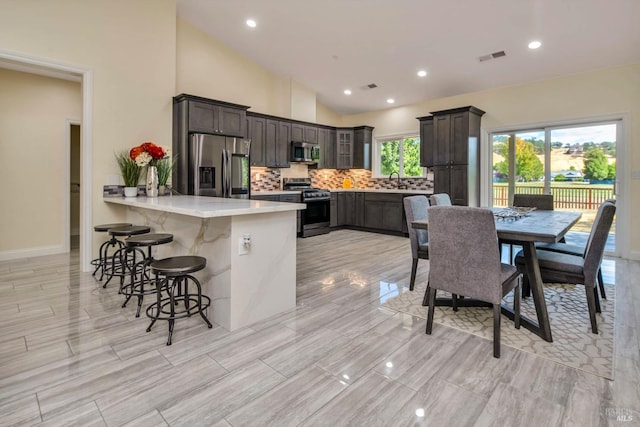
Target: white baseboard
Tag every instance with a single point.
(32, 252)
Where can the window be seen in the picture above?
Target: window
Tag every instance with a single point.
(397, 154)
(575, 163)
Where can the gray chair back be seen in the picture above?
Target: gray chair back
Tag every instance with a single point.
(594, 251)
(441, 199)
(416, 208)
(463, 252)
(543, 202)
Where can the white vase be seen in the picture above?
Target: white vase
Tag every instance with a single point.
(130, 191)
(152, 181)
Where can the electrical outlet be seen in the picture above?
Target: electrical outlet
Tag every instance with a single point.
(242, 248)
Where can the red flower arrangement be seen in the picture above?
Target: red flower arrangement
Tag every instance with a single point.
(149, 153)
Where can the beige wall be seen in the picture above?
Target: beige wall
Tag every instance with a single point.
(327, 116)
(594, 94)
(33, 158)
(206, 67)
(129, 46)
(303, 103)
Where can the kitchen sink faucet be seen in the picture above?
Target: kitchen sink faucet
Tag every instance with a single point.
(398, 185)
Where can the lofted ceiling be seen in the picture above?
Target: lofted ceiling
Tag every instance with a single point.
(332, 45)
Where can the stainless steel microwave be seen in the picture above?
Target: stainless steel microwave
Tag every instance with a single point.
(304, 152)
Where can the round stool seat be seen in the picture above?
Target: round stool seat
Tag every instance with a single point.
(131, 230)
(149, 239)
(178, 266)
(105, 227)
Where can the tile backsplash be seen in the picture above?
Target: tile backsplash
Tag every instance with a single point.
(266, 179)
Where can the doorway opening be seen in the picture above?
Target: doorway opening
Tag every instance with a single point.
(74, 187)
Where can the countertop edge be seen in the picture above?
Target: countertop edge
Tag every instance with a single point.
(386, 190)
(205, 207)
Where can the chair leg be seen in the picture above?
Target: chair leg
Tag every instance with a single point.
(425, 299)
(454, 302)
(591, 302)
(601, 284)
(597, 300)
(432, 307)
(414, 268)
(496, 330)
(526, 288)
(516, 305)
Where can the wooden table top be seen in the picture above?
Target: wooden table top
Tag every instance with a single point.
(536, 226)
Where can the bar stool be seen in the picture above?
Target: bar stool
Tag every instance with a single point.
(116, 264)
(100, 262)
(136, 287)
(175, 275)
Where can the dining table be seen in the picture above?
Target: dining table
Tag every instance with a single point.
(525, 229)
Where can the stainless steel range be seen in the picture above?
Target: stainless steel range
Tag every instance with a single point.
(315, 218)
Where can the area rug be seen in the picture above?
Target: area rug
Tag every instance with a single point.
(573, 343)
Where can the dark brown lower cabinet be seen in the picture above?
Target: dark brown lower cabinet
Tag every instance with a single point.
(383, 211)
(333, 210)
(370, 211)
(289, 198)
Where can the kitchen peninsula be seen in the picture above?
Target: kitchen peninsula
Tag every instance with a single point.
(246, 283)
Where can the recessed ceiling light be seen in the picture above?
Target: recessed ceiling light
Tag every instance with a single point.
(251, 23)
(534, 44)
(390, 101)
(347, 91)
(422, 73)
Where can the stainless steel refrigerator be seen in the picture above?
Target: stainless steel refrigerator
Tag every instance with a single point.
(219, 166)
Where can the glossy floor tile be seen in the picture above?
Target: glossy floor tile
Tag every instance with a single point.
(71, 355)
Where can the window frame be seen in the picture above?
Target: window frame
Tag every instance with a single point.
(377, 148)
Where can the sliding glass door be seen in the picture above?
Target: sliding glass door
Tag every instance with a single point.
(577, 164)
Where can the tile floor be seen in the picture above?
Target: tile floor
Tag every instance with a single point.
(71, 355)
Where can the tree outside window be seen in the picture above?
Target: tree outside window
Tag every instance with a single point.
(401, 155)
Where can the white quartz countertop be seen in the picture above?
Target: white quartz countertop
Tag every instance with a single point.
(386, 190)
(205, 207)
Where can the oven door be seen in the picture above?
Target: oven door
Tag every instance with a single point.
(315, 218)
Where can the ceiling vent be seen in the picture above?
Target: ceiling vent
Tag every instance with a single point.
(493, 55)
(369, 86)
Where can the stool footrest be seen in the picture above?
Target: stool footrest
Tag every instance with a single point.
(165, 307)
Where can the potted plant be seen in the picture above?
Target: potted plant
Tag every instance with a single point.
(149, 155)
(130, 172)
(165, 167)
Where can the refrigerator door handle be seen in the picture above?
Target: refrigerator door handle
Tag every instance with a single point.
(197, 159)
(226, 174)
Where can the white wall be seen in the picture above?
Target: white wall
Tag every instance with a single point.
(33, 159)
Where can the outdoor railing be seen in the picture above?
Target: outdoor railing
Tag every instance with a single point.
(564, 197)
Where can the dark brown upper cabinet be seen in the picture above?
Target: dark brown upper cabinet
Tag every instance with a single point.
(213, 117)
(450, 144)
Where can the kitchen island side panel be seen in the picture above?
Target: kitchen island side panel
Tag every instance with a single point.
(264, 280)
(244, 289)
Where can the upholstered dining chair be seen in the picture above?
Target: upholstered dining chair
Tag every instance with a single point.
(543, 202)
(464, 260)
(440, 199)
(539, 201)
(578, 250)
(416, 208)
(575, 269)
